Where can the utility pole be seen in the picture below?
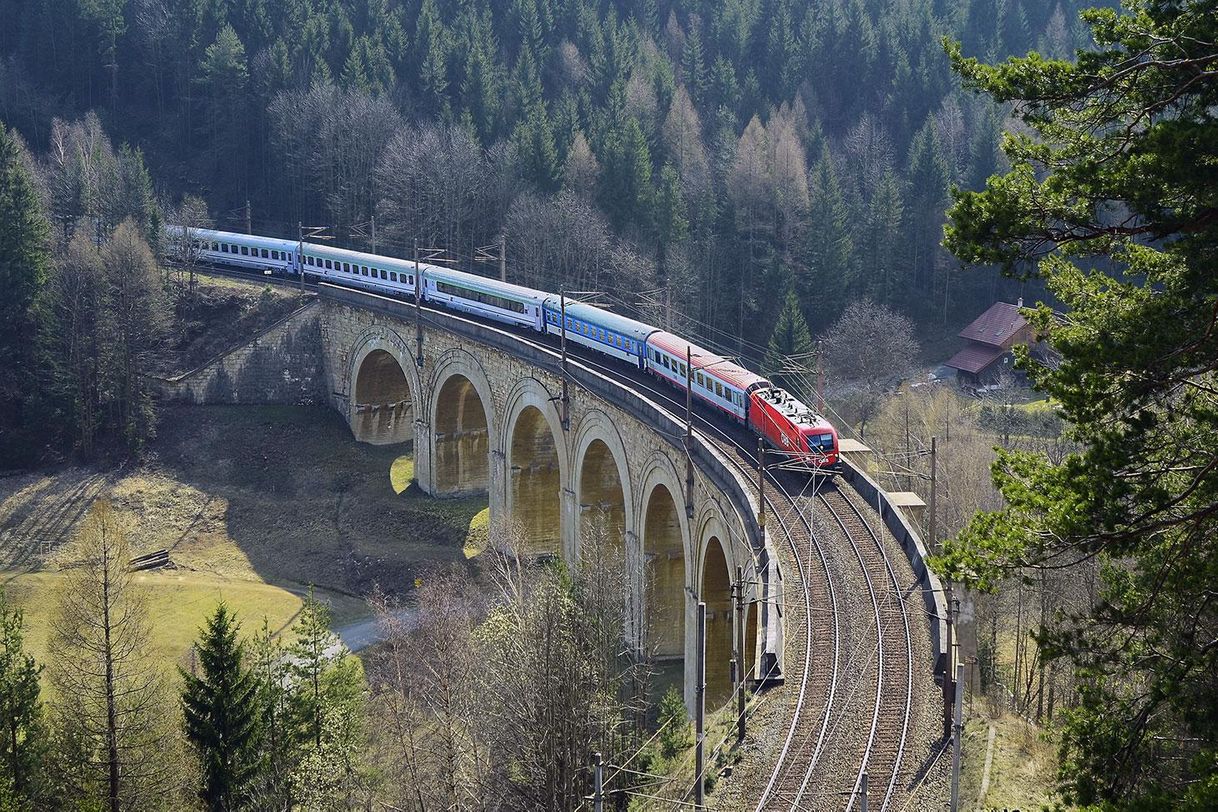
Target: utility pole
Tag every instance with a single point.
(761, 487)
(689, 432)
(249, 219)
(957, 730)
(933, 542)
(741, 645)
(418, 308)
(373, 224)
(503, 257)
(598, 784)
(820, 373)
(863, 793)
(562, 342)
(700, 712)
(947, 670)
(908, 447)
(299, 253)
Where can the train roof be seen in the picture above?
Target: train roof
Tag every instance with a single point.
(238, 239)
(604, 318)
(793, 408)
(363, 258)
(485, 284)
(711, 364)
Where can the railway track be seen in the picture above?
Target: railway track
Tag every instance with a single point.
(842, 664)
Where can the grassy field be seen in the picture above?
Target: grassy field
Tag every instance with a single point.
(254, 504)
(1022, 767)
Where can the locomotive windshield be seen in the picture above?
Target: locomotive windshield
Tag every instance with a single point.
(820, 443)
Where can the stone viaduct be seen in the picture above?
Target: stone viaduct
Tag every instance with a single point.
(483, 410)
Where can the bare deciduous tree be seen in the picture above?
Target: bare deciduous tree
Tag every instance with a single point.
(870, 345)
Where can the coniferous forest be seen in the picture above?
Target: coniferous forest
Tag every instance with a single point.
(707, 153)
(754, 174)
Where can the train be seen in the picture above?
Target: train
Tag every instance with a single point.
(784, 423)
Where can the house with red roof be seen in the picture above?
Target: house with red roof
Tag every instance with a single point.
(988, 343)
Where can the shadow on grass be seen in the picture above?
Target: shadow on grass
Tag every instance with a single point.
(306, 504)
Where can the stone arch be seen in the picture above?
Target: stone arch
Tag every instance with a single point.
(665, 543)
(535, 450)
(463, 422)
(715, 590)
(602, 479)
(383, 384)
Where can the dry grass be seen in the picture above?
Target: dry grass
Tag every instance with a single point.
(1022, 771)
(254, 504)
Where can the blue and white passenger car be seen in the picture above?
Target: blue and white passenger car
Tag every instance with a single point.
(600, 330)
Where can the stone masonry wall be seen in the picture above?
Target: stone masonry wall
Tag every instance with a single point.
(281, 365)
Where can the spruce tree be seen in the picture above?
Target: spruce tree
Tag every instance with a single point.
(1111, 199)
(24, 262)
(23, 738)
(791, 337)
(222, 714)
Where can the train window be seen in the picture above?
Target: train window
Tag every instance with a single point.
(718, 389)
(213, 247)
(410, 280)
(655, 354)
(266, 254)
(383, 275)
(364, 272)
(684, 370)
(245, 251)
(274, 254)
(223, 248)
(393, 277)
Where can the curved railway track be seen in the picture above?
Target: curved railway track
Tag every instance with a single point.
(816, 621)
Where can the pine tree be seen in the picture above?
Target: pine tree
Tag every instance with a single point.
(828, 248)
(23, 738)
(24, 263)
(626, 179)
(1113, 204)
(791, 337)
(222, 714)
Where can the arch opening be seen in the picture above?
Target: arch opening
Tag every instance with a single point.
(602, 502)
(462, 441)
(535, 484)
(664, 578)
(716, 592)
(383, 411)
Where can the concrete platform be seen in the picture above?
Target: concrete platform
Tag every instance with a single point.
(848, 446)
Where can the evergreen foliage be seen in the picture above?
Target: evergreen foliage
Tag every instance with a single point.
(294, 106)
(222, 715)
(1111, 199)
(23, 741)
(24, 264)
(791, 337)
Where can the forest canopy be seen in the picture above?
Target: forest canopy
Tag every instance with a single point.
(713, 150)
